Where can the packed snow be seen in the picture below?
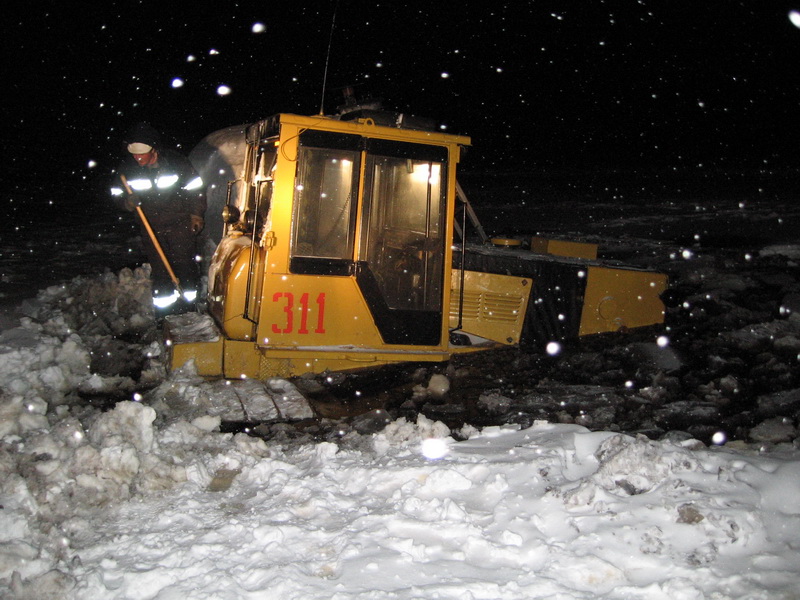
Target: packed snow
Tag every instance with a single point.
(118, 481)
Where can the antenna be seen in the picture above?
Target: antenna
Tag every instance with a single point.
(327, 60)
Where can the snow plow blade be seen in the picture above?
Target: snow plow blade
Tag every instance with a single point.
(194, 337)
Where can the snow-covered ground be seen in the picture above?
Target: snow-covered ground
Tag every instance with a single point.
(116, 482)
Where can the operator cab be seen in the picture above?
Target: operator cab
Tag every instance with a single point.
(338, 236)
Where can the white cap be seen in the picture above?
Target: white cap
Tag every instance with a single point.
(139, 148)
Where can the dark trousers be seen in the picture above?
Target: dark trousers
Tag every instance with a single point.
(179, 244)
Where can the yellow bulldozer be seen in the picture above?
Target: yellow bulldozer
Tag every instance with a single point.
(344, 247)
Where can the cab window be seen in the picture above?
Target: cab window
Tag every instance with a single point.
(325, 197)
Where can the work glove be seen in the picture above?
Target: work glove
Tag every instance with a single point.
(131, 202)
(197, 224)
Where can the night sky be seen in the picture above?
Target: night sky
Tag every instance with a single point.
(586, 86)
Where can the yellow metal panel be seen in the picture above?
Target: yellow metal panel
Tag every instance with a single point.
(280, 214)
(286, 363)
(564, 248)
(241, 359)
(207, 357)
(506, 242)
(367, 128)
(494, 305)
(275, 367)
(309, 310)
(193, 337)
(617, 299)
(228, 293)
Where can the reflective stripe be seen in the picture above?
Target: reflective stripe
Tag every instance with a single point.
(165, 301)
(166, 181)
(140, 185)
(190, 295)
(163, 182)
(194, 184)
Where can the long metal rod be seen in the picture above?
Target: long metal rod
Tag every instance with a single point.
(463, 270)
(253, 244)
(248, 289)
(472, 216)
(425, 255)
(327, 60)
(229, 190)
(462, 273)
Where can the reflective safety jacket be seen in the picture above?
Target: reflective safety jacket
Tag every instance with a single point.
(168, 193)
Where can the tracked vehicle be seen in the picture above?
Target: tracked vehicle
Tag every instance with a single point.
(344, 248)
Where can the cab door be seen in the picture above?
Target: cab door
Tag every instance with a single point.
(400, 270)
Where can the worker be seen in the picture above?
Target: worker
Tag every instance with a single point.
(164, 185)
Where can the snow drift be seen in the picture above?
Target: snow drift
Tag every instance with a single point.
(144, 498)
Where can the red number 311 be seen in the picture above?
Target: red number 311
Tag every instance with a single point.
(304, 307)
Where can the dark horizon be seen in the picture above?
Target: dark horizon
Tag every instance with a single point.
(692, 89)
